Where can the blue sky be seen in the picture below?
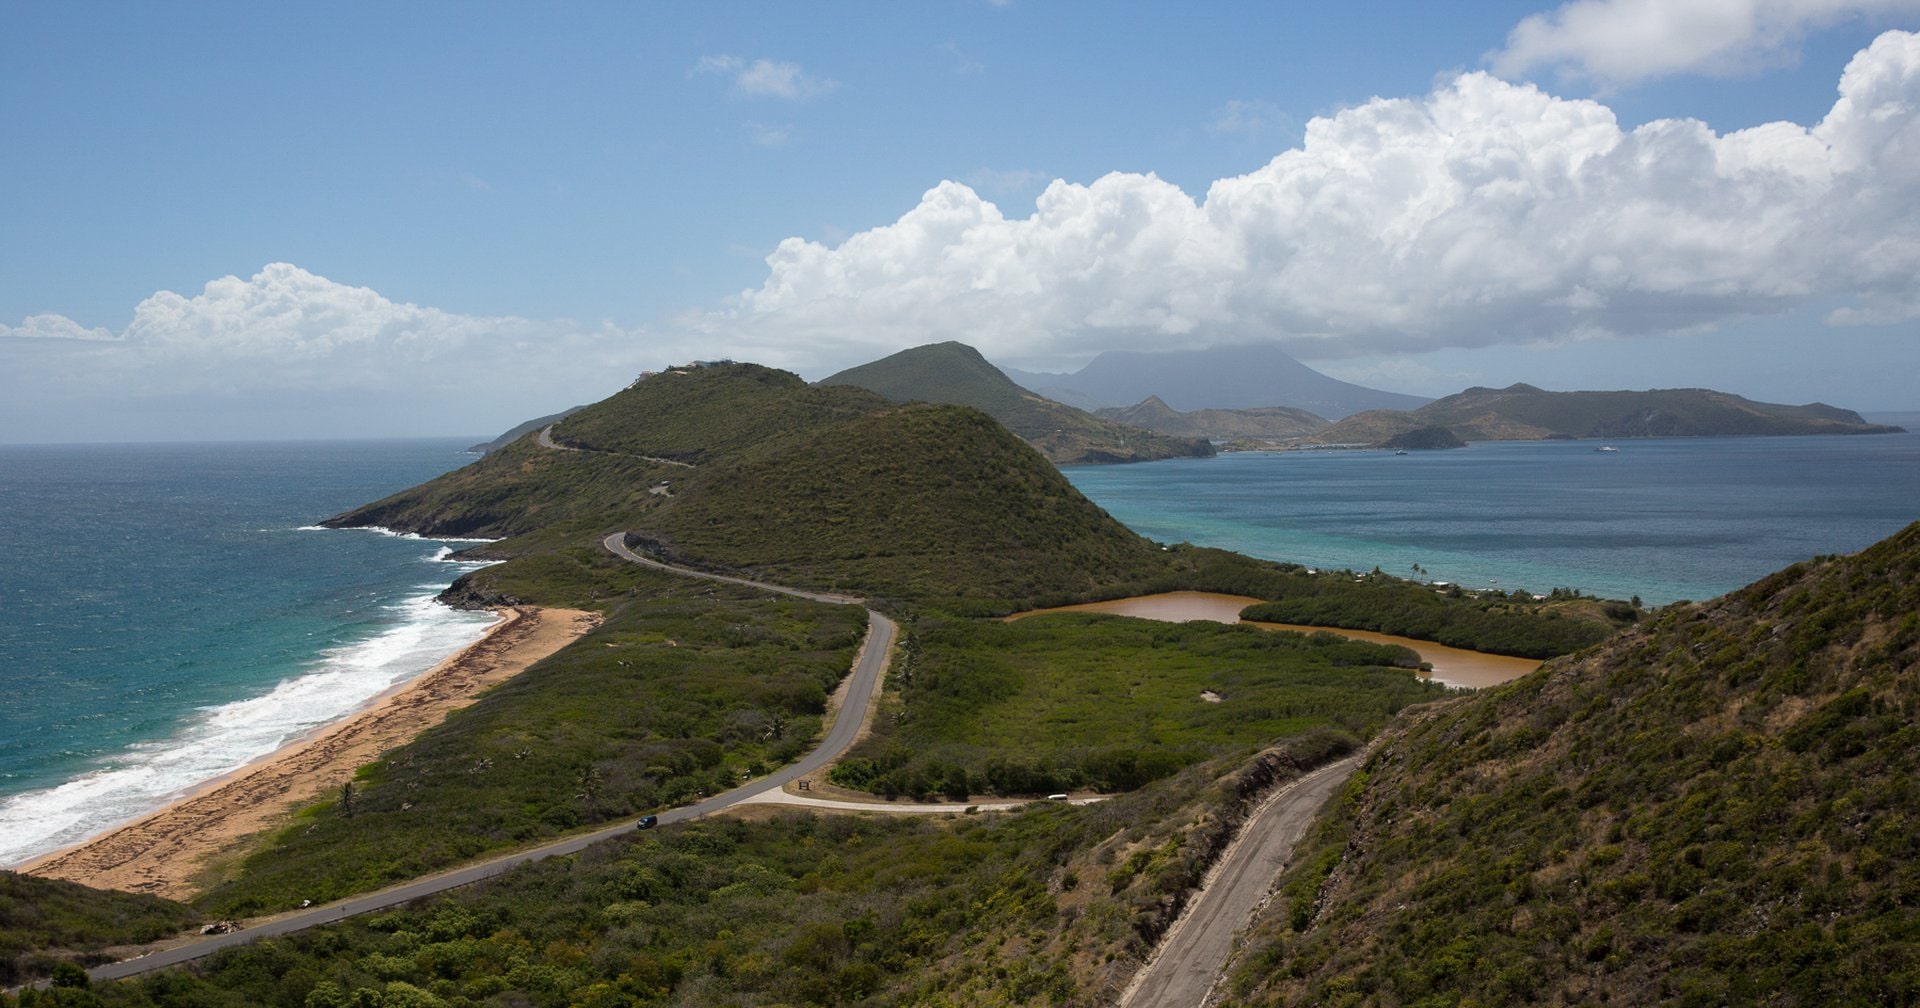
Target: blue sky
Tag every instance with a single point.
(349, 220)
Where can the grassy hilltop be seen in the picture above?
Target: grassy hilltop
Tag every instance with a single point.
(1717, 808)
(742, 468)
(956, 373)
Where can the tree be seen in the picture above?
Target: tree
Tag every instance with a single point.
(590, 781)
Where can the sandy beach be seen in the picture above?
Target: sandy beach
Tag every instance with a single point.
(164, 853)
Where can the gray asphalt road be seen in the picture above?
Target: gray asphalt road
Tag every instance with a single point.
(864, 680)
(617, 545)
(1190, 959)
(545, 440)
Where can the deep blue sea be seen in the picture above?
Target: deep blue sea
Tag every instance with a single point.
(169, 612)
(1682, 518)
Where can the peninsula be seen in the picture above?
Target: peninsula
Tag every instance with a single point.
(1662, 770)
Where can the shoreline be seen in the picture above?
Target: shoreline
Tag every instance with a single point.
(165, 852)
(1449, 665)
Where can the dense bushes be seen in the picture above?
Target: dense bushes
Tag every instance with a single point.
(922, 501)
(681, 693)
(45, 922)
(1514, 624)
(1054, 904)
(1074, 701)
(1718, 808)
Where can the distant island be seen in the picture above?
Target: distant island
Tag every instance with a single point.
(1523, 412)
(1518, 412)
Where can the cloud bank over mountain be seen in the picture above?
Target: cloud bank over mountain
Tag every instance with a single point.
(1484, 213)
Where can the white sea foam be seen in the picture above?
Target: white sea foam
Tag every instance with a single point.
(221, 739)
(390, 533)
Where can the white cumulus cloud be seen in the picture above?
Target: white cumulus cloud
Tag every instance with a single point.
(1618, 42)
(1483, 213)
(286, 352)
(50, 326)
(767, 78)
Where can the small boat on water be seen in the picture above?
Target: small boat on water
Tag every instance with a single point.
(1606, 448)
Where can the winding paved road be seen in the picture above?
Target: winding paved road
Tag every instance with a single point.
(865, 678)
(1184, 969)
(545, 440)
(617, 545)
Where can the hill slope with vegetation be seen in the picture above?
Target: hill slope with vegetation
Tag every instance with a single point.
(956, 374)
(742, 468)
(1051, 904)
(45, 923)
(1716, 808)
(1524, 413)
(939, 514)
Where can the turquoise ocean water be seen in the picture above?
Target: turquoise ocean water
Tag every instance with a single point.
(1683, 518)
(170, 612)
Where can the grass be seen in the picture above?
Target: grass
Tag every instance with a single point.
(1072, 701)
(713, 413)
(1717, 808)
(1502, 623)
(921, 501)
(46, 922)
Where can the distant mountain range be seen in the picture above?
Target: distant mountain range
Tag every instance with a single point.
(1269, 423)
(956, 374)
(1228, 377)
(1525, 413)
(1258, 396)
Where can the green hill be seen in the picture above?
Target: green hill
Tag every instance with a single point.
(1716, 808)
(46, 922)
(956, 373)
(705, 414)
(918, 500)
(521, 430)
(1524, 413)
(744, 468)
